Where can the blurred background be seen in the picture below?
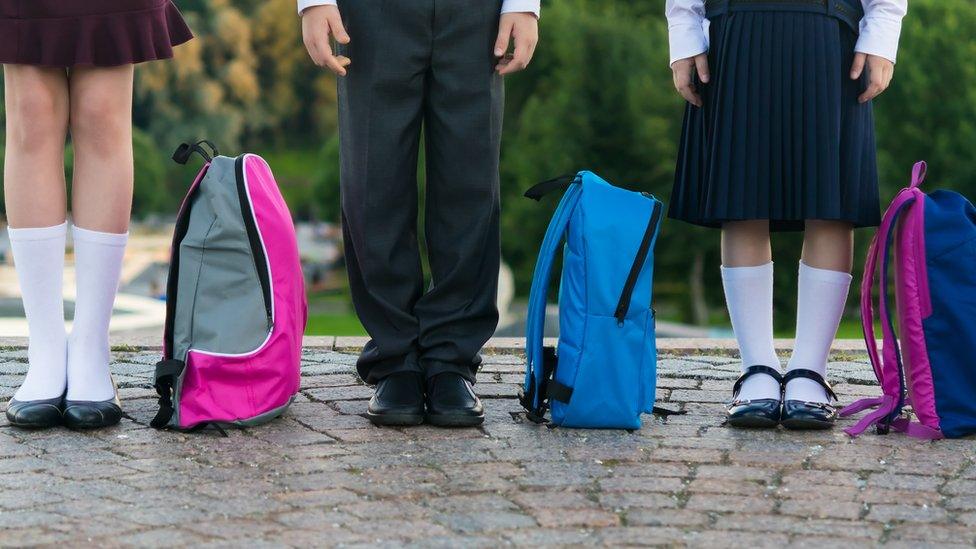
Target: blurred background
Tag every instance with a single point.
(597, 96)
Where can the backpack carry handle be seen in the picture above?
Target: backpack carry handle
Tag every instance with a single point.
(185, 151)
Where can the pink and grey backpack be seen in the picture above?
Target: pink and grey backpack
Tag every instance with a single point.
(933, 369)
(235, 299)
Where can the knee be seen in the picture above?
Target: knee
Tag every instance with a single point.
(100, 124)
(36, 121)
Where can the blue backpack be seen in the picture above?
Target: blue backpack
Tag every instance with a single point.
(603, 374)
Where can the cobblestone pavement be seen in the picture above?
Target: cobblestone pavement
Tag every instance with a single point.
(322, 475)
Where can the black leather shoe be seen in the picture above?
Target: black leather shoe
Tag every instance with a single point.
(761, 413)
(451, 402)
(801, 415)
(398, 400)
(35, 414)
(87, 414)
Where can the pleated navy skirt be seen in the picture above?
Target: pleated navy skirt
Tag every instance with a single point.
(781, 135)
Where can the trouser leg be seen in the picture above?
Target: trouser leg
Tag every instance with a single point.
(463, 119)
(380, 118)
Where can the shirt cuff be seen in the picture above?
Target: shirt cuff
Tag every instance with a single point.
(879, 36)
(687, 41)
(305, 4)
(527, 6)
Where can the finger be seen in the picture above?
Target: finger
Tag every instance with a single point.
(330, 60)
(701, 63)
(857, 68)
(690, 95)
(504, 38)
(337, 29)
(871, 92)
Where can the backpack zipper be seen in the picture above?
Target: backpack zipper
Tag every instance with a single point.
(642, 252)
(257, 250)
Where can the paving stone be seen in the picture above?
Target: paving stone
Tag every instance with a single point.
(323, 475)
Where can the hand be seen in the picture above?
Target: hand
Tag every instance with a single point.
(684, 77)
(880, 73)
(319, 25)
(523, 29)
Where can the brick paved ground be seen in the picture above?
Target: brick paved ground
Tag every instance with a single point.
(323, 475)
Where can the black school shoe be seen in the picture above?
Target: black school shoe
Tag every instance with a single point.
(451, 402)
(36, 414)
(398, 400)
(802, 415)
(88, 414)
(761, 413)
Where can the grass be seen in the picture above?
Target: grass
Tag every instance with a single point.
(331, 313)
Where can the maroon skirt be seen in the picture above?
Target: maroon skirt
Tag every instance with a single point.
(94, 33)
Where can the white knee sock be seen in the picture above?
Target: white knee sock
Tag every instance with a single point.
(39, 259)
(98, 267)
(820, 305)
(749, 296)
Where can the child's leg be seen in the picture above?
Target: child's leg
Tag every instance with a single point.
(463, 133)
(37, 118)
(747, 275)
(381, 102)
(101, 130)
(824, 281)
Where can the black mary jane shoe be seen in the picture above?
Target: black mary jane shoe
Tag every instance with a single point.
(802, 415)
(36, 414)
(87, 414)
(398, 400)
(451, 402)
(763, 413)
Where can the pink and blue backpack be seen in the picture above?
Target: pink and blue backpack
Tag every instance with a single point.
(932, 368)
(235, 300)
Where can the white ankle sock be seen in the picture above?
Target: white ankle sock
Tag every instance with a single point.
(39, 259)
(820, 305)
(749, 297)
(98, 267)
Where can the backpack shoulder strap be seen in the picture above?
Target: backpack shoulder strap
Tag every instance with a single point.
(536, 358)
(887, 366)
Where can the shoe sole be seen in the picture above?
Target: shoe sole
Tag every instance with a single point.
(33, 426)
(806, 425)
(455, 421)
(395, 420)
(752, 423)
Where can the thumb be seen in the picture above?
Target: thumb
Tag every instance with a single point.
(504, 38)
(338, 29)
(858, 67)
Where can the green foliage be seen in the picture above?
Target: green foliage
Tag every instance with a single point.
(597, 96)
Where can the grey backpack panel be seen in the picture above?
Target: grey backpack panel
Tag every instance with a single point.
(220, 307)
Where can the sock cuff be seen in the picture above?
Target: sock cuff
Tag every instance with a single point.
(38, 233)
(95, 237)
(825, 275)
(740, 273)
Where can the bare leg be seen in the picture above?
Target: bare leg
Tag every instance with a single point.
(101, 130)
(747, 276)
(37, 119)
(829, 245)
(824, 282)
(37, 124)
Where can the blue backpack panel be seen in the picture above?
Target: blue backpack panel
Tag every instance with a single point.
(603, 374)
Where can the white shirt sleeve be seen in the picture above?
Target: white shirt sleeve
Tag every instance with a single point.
(881, 27)
(509, 6)
(529, 6)
(686, 28)
(305, 4)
